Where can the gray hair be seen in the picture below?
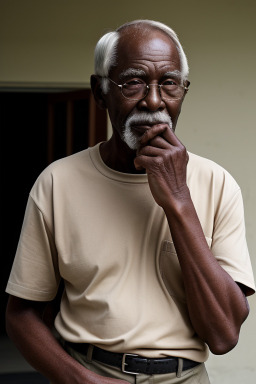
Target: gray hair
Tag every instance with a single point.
(106, 50)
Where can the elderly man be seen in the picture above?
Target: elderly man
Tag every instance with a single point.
(148, 238)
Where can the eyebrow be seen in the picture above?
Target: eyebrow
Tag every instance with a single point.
(131, 72)
(135, 72)
(174, 74)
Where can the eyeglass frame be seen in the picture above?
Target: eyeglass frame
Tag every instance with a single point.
(147, 88)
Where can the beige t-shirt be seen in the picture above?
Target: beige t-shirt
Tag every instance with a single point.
(103, 233)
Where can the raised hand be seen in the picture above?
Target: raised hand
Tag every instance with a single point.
(165, 160)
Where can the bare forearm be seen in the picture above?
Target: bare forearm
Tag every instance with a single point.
(217, 306)
(38, 345)
(40, 348)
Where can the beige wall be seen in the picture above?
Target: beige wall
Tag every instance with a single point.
(53, 41)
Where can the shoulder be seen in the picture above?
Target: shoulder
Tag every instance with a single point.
(207, 172)
(67, 164)
(60, 175)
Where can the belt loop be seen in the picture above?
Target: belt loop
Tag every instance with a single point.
(180, 367)
(89, 352)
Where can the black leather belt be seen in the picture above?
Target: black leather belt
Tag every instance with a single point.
(134, 364)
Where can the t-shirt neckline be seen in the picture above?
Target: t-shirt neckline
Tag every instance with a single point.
(111, 173)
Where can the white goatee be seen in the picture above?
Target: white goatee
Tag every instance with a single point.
(130, 138)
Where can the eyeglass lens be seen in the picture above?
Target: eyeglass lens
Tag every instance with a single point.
(139, 91)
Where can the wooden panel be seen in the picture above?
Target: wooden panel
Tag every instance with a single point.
(94, 122)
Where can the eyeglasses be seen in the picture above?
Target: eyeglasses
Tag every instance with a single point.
(138, 89)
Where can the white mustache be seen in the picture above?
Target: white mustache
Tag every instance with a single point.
(131, 139)
(148, 118)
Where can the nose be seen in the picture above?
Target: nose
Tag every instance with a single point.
(153, 100)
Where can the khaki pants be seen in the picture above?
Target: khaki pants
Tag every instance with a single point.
(196, 375)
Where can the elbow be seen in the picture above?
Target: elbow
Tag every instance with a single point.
(221, 347)
(225, 341)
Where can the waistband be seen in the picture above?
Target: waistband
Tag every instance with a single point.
(132, 363)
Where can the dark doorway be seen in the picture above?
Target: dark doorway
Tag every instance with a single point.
(36, 129)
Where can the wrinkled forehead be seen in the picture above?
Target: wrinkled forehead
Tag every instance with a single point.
(145, 43)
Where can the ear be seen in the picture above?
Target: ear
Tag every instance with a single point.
(187, 83)
(97, 91)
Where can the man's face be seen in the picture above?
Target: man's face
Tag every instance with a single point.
(153, 58)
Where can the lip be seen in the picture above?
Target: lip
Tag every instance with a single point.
(143, 127)
(140, 129)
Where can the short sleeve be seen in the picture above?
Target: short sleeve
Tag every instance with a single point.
(229, 244)
(34, 274)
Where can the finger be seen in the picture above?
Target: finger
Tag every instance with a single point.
(141, 162)
(157, 142)
(170, 136)
(150, 151)
(154, 131)
(162, 130)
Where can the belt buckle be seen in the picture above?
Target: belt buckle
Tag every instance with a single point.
(124, 363)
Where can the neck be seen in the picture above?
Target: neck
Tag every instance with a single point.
(118, 156)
